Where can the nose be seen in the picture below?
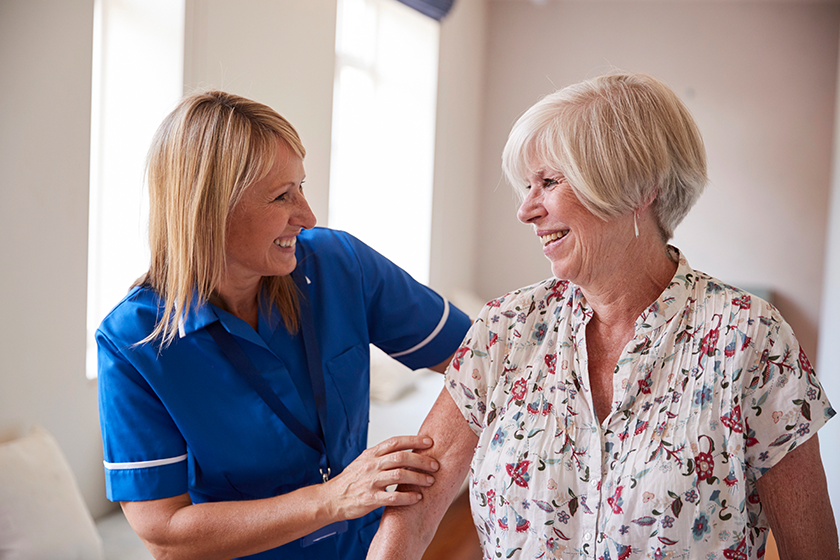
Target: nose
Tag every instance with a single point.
(531, 208)
(303, 215)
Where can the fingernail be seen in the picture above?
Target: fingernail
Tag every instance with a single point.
(430, 479)
(435, 466)
(427, 441)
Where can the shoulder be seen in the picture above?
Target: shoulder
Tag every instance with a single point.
(133, 318)
(546, 293)
(335, 249)
(735, 305)
(532, 308)
(326, 240)
(749, 333)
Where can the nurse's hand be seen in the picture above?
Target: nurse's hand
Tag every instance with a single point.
(361, 487)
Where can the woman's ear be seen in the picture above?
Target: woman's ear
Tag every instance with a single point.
(649, 200)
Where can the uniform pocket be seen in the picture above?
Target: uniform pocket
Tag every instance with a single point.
(347, 382)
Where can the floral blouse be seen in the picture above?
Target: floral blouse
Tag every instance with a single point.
(711, 392)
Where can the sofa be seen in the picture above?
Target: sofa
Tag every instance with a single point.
(43, 515)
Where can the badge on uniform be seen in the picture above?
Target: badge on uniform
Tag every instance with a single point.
(324, 533)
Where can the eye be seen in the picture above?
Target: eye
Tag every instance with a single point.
(549, 183)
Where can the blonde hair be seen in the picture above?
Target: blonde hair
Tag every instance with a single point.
(620, 140)
(207, 151)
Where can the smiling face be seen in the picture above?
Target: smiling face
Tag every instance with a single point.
(581, 246)
(262, 228)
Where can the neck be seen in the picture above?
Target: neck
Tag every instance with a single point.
(240, 299)
(637, 279)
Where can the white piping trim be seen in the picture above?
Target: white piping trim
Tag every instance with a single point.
(144, 464)
(181, 332)
(432, 336)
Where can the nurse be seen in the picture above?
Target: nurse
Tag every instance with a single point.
(234, 376)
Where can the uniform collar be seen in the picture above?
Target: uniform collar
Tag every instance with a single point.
(202, 314)
(199, 316)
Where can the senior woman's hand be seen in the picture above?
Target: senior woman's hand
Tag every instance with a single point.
(177, 528)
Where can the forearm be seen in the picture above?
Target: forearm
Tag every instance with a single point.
(406, 531)
(182, 530)
(177, 528)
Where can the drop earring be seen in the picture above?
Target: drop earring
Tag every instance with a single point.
(635, 225)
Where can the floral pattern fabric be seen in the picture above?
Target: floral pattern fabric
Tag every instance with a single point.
(711, 392)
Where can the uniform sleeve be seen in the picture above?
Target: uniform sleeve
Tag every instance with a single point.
(145, 455)
(474, 373)
(785, 403)
(407, 320)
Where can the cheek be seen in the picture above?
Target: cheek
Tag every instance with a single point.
(237, 235)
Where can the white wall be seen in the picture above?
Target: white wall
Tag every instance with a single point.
(461, 78)
(759, 78)
(829, 358)
(45, 62)
(277, 52)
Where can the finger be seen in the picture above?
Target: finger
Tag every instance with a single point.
(399, 443)
(407, 459)
(399, 498)
(407, 477)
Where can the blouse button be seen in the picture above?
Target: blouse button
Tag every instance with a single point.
(587, 537)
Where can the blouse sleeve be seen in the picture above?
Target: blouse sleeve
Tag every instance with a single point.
(474, 373)
(784, 402)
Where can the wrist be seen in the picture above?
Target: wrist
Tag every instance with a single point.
(326, 507)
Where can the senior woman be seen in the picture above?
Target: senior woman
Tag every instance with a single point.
(234, 377)
(630, 407)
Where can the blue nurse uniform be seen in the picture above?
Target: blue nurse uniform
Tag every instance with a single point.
(183, 419)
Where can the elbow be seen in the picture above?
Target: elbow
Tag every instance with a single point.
(164, 551)
(162, 547)
(170, 552)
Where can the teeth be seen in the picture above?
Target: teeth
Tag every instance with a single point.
(286, 243)
(546, 239)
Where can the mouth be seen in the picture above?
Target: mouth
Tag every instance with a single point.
(286, 243)
(548, 238)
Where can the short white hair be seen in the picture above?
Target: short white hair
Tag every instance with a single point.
(620, 140)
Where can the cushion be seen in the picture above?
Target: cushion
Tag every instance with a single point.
(389, 379)
(42, 513)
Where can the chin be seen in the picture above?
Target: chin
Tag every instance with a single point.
(285, 269)
(558, 272)
(562, 273)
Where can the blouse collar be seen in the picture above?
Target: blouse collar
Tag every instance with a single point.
(672, 300)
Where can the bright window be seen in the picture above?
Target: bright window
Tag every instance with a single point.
(383, 129)
(137, 79)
